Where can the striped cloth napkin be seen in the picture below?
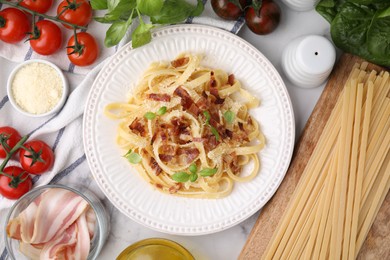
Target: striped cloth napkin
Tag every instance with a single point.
(63, 131)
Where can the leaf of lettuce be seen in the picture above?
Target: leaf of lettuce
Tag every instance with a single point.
(176, 11)
(378, 36)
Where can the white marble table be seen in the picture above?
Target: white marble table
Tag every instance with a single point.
(229, 243)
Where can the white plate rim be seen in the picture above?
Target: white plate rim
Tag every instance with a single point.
(212, 227)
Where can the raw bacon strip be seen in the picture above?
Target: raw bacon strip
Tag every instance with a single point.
(30, 251)
(27, 219)
(56, 212)
(57, 245)
(83, 239)
(91, 221)
(13, 229)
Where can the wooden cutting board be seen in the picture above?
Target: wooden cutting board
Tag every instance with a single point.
(377, 244)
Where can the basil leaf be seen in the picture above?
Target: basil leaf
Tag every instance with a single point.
(123, 11)
(193, 168)
(133, 158)
(175, 11)
(141, 35)
(193, 177)
(229, 116)
(198, 10)
(128, 152)
(207, 116)
(150, 115)
(150, 7)
(181, 177)
(102, 20)
(116, 32)
(208, 172)
(111, 4)
(214, 132)
(161, 111)
(98, 4)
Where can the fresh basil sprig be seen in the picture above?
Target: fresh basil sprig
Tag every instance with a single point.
(133, 157)
(213, 130)
(121, 13)
(208, 172)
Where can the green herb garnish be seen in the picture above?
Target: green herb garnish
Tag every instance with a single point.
(193, 177)
(208, 172)
(229, 116)
(150, 115)
(161, 111)
(212, 128)
(193, 168)
(132, 157)
(181, 177)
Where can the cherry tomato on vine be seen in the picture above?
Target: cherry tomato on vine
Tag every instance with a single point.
(46, 37)
(228, 10)
(10, 137)
(266, 20)
(16, 187)
(14, 25)
(85, 51)
(78, 12)
(40, 6)
(38, 158)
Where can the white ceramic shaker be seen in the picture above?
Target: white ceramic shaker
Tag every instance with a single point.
(308, 60)
(301, 5)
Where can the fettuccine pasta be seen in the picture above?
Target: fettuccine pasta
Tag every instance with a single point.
(187, 129)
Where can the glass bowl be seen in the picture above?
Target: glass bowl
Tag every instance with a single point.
(102, 226)
(155, 249)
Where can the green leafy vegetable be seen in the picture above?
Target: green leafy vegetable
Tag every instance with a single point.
(208, 172)
(193, 177)
(132, 157)
(181, 177)
(212, 128)
(150, 115)
(161, 111)
(193, 168)
(229, 116)
(360, 27)
(121, 13)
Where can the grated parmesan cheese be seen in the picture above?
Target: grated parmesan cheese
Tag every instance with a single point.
(37, 88)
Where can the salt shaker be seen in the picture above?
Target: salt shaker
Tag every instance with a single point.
(308, 60)
(300, 5)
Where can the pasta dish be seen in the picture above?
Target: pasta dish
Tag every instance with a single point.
(187, 129)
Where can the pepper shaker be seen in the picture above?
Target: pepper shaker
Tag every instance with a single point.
(308, 60)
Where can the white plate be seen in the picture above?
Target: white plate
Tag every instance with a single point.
(176, 215)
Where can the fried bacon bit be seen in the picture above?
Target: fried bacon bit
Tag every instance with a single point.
(159, 97)
(191, 154)
(232, 161)
(241, 126)
(218, 100)
(199, 139)
(180, 62)
(138, 127)
(154, 165)
(166, 157)
(175, 188)
(228, 133)
(203, 103)
(159, 186)
(211, 143)
(231, 79)
(186, 100)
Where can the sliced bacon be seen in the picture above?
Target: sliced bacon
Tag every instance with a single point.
(159, 97)
(199, 139)
(91, 221)
(56, 245)
(175, 188)
(83, 243)
(218, 100)
(138, 126)
(231, 79)
(203, 103)
(30, 250)
(180, 62)
(190, 154)
(154, 165)
(194, 109)
(186, 100)
(211, 143)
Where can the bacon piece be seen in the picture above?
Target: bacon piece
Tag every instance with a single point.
(203, 103)
(58, 209)
(165, 157)
(154, 165)
(231, 79)
(186, 100)
(83, 243)
(159, 97)
(91, 221)
(175, 188)
(190, 154)
(180, 62)
(29, 250)
(228, 133)
(211, 143)
(159, 186)
(55, 246)
(199, 139)
(138, 126)
(218, 100)
(194, 109)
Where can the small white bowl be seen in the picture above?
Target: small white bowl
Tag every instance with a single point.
(56, 108)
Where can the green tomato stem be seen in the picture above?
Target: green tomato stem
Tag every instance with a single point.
(53, 18)
(11, 153)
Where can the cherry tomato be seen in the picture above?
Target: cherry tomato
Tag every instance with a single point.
(78, 12)
(46, 38)
(266, 20)
(14, 25)
(85, 52)
(16, 188)
(228, 10)
(39, 159)
(40, 6)
(10, 136)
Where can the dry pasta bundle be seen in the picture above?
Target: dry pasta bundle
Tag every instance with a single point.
(346, 179)
(187, 129)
